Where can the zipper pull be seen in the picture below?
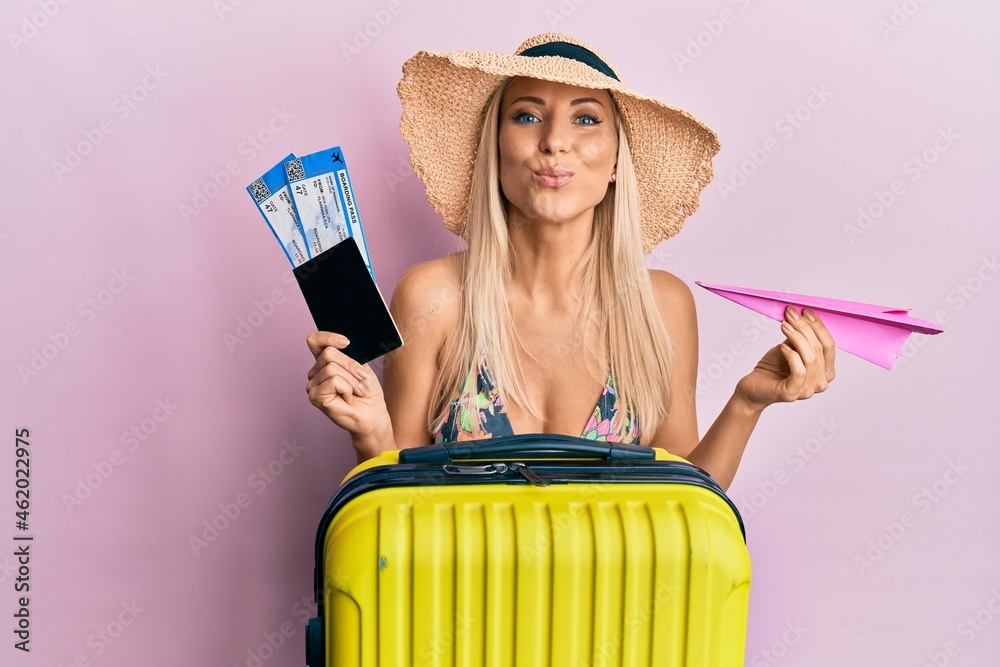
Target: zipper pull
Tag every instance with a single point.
(488, 469)
(528, 474)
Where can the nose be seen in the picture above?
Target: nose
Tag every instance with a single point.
(554, 138)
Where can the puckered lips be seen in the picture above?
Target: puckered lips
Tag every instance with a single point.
(553, 177)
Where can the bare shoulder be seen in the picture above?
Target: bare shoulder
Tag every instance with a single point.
(672, 294)
(679, 433)
(427, 297)
(425, 306)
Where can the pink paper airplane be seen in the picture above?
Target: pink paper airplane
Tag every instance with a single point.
(875, 333)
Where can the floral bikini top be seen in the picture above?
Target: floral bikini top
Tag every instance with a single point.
(493, 420)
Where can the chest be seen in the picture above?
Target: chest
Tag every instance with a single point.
(566, 371)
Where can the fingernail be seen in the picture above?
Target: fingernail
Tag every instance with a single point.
(792, 314)
(360, 372)
(810, 315)
(361, 389)
(342, 341)
(785, 326)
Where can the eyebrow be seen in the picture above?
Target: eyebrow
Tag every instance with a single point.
(541, 102)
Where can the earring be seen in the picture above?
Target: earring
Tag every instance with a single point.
(613, 177)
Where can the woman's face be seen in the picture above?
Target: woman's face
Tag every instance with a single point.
(558, 147)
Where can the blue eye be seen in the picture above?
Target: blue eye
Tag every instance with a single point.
(525, 117)
(588, 120)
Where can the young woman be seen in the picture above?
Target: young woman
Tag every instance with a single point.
(560, 178)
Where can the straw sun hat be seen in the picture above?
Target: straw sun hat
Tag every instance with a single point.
(444, 94)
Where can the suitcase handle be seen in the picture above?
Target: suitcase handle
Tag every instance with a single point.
(527, 446)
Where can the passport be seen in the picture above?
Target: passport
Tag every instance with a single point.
(343, 297)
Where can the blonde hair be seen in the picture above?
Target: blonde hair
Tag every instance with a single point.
(616, 295)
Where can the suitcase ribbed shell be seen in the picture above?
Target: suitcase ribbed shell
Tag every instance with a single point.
(570, 574)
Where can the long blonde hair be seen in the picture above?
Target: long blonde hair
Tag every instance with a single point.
(616, 295)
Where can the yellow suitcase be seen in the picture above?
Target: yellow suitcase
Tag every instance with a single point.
(529, 550)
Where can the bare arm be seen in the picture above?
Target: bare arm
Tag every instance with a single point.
(425, 306)
(678, 433)
(782, 375)
(720, 451)
(795, 369)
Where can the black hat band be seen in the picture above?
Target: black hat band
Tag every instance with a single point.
(573, 52)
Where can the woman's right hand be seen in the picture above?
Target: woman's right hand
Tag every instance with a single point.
(347, 392)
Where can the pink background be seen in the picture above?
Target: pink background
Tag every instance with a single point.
(881, 93)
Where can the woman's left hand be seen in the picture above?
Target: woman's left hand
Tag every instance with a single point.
(796, 369)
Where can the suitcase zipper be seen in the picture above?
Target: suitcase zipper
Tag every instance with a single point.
(528, 474)
(488, 469)
(496, 469)
(558, 472)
